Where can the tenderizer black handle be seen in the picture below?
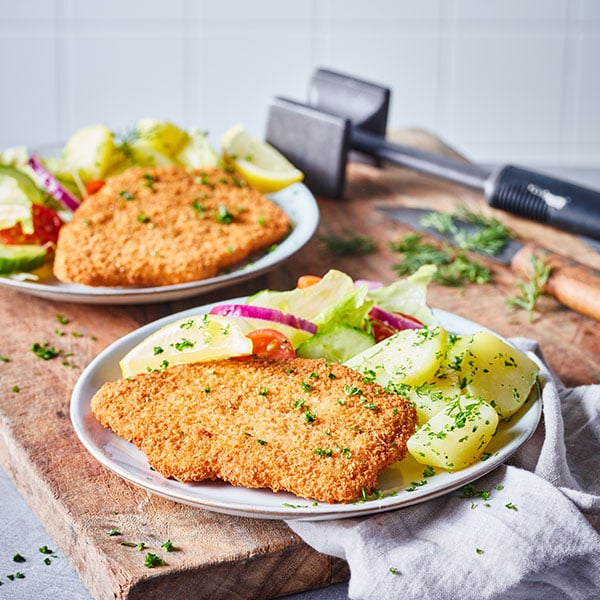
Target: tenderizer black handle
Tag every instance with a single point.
(542, 198)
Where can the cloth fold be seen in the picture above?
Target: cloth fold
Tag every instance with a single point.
(527, 530)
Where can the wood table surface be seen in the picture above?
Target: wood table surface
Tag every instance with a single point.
(220, 556)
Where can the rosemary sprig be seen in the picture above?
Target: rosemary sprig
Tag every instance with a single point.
(531, 288)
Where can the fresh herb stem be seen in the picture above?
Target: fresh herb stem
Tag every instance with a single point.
(454, 267)
(532, 288)
(487, 235)
(350, 244)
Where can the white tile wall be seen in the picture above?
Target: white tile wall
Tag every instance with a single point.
(501, 80)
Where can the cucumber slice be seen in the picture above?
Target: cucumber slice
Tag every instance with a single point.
(21, 258)
(338, 343)
(24, 182)
(17, 192)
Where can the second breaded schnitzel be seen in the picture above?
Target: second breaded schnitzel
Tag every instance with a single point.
(306, 426)
(166, 225)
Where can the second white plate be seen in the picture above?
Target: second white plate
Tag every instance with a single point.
(296, 200)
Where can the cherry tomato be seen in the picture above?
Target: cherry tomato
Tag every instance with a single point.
(46, 225)
(305, 281)
(93, 186)
(270, 343)
(381, 331)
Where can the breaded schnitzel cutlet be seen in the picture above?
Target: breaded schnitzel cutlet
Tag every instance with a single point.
(306, 426)
(166, 225)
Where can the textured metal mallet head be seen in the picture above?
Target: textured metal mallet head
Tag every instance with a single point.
(316, 135)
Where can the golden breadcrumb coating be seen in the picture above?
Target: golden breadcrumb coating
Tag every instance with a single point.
(166, 225)
(305, 426)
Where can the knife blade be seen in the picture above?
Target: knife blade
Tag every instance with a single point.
(573, 284)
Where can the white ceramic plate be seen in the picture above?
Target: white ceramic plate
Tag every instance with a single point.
(296, 200)
(125, 460)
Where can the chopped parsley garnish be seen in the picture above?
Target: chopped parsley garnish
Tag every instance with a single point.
(114, 531)
(62, 319)
(168, 546)
(183, 344)
(143, 218)
(152, 560)
(44, 351)
(309, 417)
(198, 206)
(127, 195)
(416, 484)
(223, 214)
(321, 453)
(18, 558)
(150, 180)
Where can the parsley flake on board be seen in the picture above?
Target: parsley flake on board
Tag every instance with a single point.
(44, 351)
(152, 560)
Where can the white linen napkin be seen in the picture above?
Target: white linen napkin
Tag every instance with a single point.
(534, 536)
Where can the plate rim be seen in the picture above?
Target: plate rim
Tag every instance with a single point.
(305, 220)
(80, 403)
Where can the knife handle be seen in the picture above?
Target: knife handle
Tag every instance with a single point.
(543, 198)
(573, 284)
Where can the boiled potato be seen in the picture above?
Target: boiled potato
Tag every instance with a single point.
(410, 357)
(164, 137)
(502, 375)
(430, 398)
(455, 437)
(144, 154)
(90, 151)
(198, 152)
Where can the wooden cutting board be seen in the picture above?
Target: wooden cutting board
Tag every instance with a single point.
(218, 556)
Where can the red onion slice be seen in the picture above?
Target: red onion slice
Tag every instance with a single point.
(396, 321)
(372, 285)
(52, 185)
(266, 314)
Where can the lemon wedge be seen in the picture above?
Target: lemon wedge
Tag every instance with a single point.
(192, 339)
(262, 165)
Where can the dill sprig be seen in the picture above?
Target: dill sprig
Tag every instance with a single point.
(531, 288)
(351, 244)
(487, 235)
(454, 267)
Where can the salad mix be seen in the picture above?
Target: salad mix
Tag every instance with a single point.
(460, 385)
(39, 194)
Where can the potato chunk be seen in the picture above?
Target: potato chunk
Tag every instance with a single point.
(410, 357)
(456, 437)
(492, 369)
